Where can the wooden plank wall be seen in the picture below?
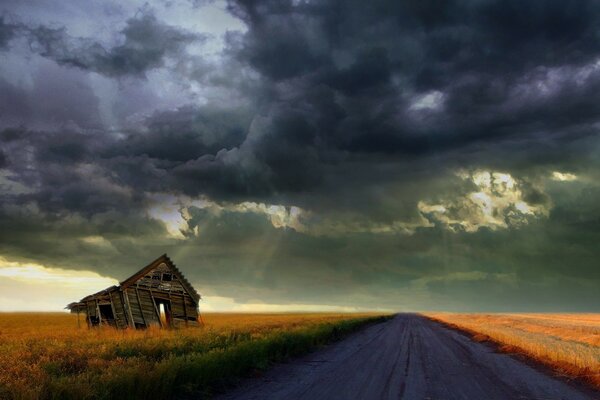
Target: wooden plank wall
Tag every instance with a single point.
(184, 311)
(142, 306)
(119, 309)
(190, 308)
(177, 306)
(134, 306)
(178, 310)
(148, 307)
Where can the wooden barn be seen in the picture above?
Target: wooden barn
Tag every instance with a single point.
(157, 295)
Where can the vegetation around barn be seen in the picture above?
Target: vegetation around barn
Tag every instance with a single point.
(46, 356)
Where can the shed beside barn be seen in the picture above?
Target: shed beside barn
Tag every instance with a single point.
(158, 295)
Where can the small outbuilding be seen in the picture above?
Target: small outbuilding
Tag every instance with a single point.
(157, 295)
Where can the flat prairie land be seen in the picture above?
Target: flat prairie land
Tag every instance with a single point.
(47, 356)
(567, 343)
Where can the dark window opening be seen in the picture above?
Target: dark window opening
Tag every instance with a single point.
(166, 277)
(106, 312)
(156, 277)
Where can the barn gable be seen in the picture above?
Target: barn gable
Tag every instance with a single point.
(162, 274)
(158, 294)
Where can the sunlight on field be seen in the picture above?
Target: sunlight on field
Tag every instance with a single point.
(569, 343)
(46, 355)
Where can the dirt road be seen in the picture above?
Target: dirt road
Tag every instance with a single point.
(408, 357)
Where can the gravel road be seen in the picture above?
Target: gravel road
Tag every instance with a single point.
(408, 357)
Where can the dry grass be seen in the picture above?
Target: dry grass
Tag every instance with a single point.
(45, 355)
(568, 343)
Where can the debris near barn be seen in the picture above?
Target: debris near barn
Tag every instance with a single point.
(157, 295)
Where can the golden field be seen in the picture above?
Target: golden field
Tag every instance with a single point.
(568, 343)
(46, 355)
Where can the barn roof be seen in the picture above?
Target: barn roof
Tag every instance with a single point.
(138, 275)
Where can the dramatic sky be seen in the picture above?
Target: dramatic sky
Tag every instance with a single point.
(332, 154)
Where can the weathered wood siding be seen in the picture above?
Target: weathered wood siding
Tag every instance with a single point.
(136, 310)
(178, 307)
(142, 306)
(148, 307)
(119, 309)
(190, 307)
(154, 279)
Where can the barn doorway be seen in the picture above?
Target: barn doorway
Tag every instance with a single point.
(164, 312)
(106, 314)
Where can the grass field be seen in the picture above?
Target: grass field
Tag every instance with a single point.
(568, 343)
(46, 356)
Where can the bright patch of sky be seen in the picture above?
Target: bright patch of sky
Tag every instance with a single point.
(563, 176)
(227, 304)
(429, 101)
(34, 287)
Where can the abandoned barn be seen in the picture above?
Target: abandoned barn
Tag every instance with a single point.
(157, 295)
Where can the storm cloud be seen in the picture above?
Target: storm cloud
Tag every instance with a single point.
(395, 154)
(147, 42)
(7, 32)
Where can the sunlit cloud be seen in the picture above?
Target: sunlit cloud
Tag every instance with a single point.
(563, 176)
(174, 212)
(497, 203)
(167, 210)
(98, 242)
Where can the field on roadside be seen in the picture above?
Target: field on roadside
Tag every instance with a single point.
(568, 343)
(46, 356)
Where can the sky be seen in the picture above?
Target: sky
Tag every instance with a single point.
(303, 155)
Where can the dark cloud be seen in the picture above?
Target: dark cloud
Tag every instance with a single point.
(147, 42)
(342, 81)
(3, 159)
(54, 98)
(369, 116)
(241, 255)
(7, 32)
(188, 133)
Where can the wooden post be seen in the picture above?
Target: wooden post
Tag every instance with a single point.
(112, 307)
(137, 294)
(185, 309)
(170, 319)
(199, 319)
(87, 314)
(98, 313)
